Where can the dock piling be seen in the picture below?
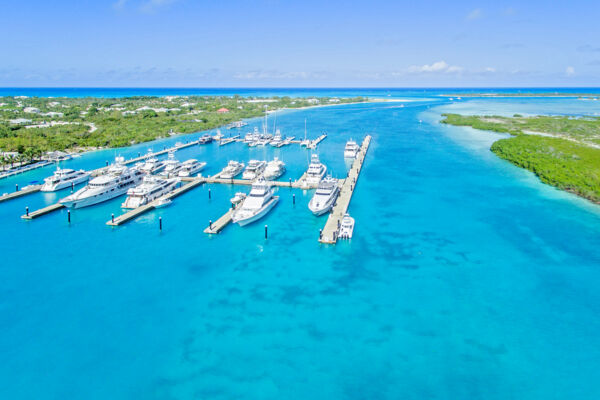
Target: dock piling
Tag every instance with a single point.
(69, 216)
(320, 233)
(27, 211)
(209, 194)
(17, 187)
(210, 224)
(112, 218)
(266, 230)
(160, 223)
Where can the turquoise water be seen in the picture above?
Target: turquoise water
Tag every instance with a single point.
(466, 278)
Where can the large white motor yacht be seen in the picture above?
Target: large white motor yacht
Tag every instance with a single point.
(232, 170)
(325, 196)
(351, 149)
(274, 169)
(190, 167)
(256, 205)
(152, 164)
(115, 182)
(277, 139)
(316, 170)
(346, 227)
(254, 169)
(151, 188)
(172, 166)
(64, 178)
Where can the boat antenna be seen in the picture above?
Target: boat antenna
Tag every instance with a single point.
(275, 122)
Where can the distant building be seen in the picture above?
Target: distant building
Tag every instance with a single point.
(313, 100)
(32, 110)
(53, 114)
(334, 100)
(19, 121)
(222, 110)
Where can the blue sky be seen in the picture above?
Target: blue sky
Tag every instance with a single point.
(186, 43)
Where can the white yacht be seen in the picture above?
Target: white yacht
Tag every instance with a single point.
(238, 198)
(256, 205)
(254, 169)
(325, 196)
(346, 227)
(115, 182)
(64, 178)
(232, 170)
(151, 188)
(274, 169)
(205, 139)
(316, 170)
(252, 137)
(277, 139)
(351, 149)
(172, 166)
(151, 165)
(190, 167)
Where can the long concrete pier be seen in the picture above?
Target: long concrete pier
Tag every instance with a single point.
(136, 212)
(331, 231)
(42, 211)
(26, 190)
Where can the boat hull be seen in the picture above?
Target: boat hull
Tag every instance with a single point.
(92, 200)
(261, 213)
(64, 185)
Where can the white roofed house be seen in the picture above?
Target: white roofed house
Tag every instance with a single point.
(31, 110)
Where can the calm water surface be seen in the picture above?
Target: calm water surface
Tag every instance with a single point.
(466, 278)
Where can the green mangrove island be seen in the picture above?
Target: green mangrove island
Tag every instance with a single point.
(31, 126)
(561, 151)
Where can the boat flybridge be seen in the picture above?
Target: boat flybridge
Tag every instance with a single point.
(254, 169)
(351, 149)
(274, 169)
(115, 182)
(151, 188)
(205, 139)
(172, 166)
(325, 196)
(257, 203)
(190, 167)
(233, 169)
(64, 178)
(316, 170)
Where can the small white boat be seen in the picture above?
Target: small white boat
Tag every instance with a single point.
(351, 149)
(238, 198)
(162, 203)
(346, 227)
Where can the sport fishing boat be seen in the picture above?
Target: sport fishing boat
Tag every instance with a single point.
(252, 137)
(232, 170)
(351, 149)
(151, 188)
(316, 170)
(277, 140)
(115, 182)
(274, 169)
(256, 205)
(346, 227)
(64, 178)
(325, 196)
(172, 166)
(190, 167)
(151, 165)
(254, 169)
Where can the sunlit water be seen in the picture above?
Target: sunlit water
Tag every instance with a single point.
(466, 278)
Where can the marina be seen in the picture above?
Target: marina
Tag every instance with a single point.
(330, 232)
(19, 193)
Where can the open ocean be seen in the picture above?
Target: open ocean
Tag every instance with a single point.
(466, 278)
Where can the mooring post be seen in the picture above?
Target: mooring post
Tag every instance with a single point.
(27, 211)
(210, 224)
(69, 216)
(266, 230)
(160, 223)
(320, 233)
(209, 196)
(290, 182)
(17, 187)
(112, 218)
(294, 199)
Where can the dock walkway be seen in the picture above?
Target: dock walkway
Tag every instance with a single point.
(26, 190)
(43, 211)
(221, 223)
(331, 230)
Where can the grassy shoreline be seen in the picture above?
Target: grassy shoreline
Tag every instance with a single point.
(560, 151)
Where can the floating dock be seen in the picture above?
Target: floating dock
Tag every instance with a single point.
(43, 211)
(221, 223)
(228, 140)
(313, 144)
(136, 212)
(330, 233)
(26, 190)
(24, 169)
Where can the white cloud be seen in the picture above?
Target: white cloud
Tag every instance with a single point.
(475, 14)
(570, 71)
(119, 4)
(436, 67)
(490, 69)
(153, 5)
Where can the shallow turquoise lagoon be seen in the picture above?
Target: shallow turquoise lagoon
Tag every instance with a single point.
(466, 278)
